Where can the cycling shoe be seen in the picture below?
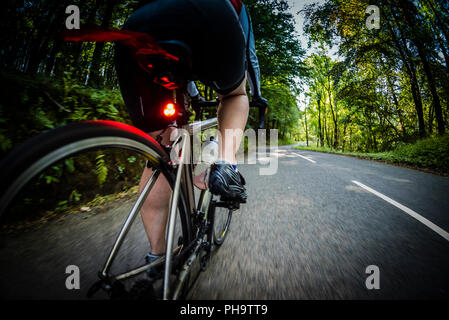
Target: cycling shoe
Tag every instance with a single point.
(225, 181)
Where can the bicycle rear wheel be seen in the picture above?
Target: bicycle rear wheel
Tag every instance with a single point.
(51, 249)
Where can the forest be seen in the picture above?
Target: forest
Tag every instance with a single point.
(49, 82)
(385, 87)
(388, 87)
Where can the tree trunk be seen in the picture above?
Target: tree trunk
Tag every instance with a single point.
(52, 58)
(334, 118)
(442, 25)
(46, 30)
(350, 138)
(325, 125)
(94, 76)
(396, 103)
(319, 124)
(411, 72)
(307, 132)
(344, 136)
(79, 46)
(334, 115)
(430, 120)
(410, 13)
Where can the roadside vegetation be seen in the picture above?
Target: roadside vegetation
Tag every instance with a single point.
(385, 95)
(430, 154)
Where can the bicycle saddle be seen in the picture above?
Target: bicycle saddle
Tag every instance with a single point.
(173, 74)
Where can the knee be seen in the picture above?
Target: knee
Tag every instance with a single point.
(239, 91)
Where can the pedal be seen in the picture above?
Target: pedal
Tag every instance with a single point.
(95, 287)
(115, 290)
(232, 200)
(231, 204)
(142, 290)
(118, 291)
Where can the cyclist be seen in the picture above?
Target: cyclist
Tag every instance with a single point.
(219, 34)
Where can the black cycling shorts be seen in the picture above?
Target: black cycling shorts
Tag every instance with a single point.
(211, 29)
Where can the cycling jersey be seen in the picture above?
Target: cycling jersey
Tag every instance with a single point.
(237, 5)
(219, 35)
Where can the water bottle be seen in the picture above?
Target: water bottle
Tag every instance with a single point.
(209, 154)
(209, 151)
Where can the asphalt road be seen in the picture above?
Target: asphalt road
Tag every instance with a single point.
(310, 232)
(307, 232)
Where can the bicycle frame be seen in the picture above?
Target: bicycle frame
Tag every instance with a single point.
(183, 184)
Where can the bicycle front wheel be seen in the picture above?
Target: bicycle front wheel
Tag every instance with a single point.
(222, 220)
(64, 197)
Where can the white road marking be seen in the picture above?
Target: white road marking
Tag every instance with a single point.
(410, 212)
(313, 161)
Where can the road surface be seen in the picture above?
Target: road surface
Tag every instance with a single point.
(310, 231)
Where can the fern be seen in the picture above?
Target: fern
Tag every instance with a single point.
(100, 169)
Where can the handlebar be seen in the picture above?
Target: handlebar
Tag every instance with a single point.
(214, 103)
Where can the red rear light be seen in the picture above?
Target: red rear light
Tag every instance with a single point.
(169, 110)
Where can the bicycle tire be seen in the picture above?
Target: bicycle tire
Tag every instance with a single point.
(39, 152)
(220, 225)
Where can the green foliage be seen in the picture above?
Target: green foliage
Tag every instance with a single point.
(278, 49)
(52, 175)
(285, 141)
(429, 153)
(283, 112)
(36, 103)
(388, 86)
(70, 164)
(101, 169)
(75, 196)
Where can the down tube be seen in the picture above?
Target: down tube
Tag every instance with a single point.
(172, 214)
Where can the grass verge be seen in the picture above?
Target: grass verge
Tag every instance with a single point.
(429, 155)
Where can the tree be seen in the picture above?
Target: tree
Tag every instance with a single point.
(391, 83)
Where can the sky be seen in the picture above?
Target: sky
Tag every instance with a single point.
(295, 6)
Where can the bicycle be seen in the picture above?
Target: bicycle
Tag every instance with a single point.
(200, 229)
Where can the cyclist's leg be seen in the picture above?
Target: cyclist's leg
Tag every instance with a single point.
(224, 179)
(154, 211)
(232, 116)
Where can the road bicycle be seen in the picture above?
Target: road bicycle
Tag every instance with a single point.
(194, 227)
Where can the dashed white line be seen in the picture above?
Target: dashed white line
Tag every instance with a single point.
(410, 212)
(313, 161)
